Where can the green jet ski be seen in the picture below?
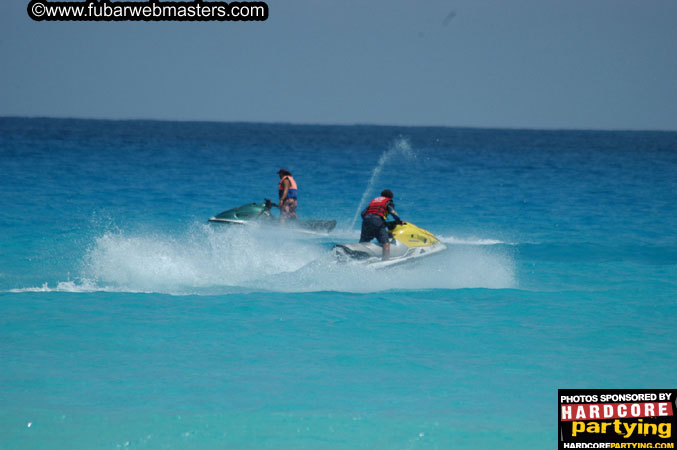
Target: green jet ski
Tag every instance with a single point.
(260, 213)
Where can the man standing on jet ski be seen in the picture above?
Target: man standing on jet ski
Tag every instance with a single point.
(374, 220)
(288, 192)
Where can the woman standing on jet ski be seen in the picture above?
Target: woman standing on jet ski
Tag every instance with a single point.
(374, 220)
(288, 192)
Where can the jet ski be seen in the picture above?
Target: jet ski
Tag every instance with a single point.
(260, 213)
(407, 242)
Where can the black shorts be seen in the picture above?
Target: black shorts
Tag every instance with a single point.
(374, 226)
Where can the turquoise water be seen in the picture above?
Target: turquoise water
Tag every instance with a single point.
(127, 321)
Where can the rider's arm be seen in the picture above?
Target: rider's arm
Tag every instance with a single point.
(285, 185)
(392, 212)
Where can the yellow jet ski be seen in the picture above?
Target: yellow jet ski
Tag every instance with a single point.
(407, 242)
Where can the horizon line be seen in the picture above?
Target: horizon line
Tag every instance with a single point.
(356, 124)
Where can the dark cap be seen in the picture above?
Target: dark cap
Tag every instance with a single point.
(284, 172)
(387, 193)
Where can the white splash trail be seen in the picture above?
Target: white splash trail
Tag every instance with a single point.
(217, 261)
(471, 241)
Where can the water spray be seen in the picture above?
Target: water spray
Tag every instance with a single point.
(400, 147)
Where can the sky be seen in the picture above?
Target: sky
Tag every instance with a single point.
(553, 64)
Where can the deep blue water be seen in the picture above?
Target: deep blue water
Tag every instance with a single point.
(128, 321)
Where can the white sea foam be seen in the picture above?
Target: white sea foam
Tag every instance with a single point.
(203, 257)
(79, 286)
(221, 259)
(455, 268)
(471, 241)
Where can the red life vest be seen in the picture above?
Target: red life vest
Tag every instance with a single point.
(378, 206)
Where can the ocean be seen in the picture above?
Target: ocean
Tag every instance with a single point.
(128, 321)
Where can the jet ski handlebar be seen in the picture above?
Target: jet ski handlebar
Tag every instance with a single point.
(270, 204)
(391, 225)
